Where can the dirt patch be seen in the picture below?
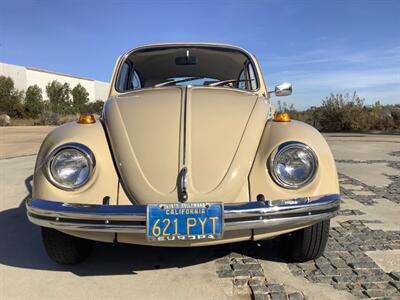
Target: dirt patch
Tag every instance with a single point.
(18, 141)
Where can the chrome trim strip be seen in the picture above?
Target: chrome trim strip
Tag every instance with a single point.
(290, 214)
(88, 227)
(260, 208)
(86, 212)
(281, 223)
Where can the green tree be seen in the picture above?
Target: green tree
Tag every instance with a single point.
(34, 104)
(95, 107)
(59, 97)
(10, 98)
(80, 98)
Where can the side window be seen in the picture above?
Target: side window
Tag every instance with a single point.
(135, 81)
(242, 84)
(252, 78)
(123, 77)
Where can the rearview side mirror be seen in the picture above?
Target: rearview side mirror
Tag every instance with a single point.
(283, 89)
(185, 60)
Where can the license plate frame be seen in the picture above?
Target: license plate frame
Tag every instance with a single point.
(202, 224)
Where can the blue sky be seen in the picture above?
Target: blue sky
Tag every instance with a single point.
(319, 46)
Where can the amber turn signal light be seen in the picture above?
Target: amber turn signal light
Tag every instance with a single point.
(282, 117)
(86, 119)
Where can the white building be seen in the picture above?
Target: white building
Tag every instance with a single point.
(25, 76)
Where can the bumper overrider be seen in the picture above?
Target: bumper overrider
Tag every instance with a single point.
(276, 216)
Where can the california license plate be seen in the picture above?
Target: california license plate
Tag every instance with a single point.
(184, 221)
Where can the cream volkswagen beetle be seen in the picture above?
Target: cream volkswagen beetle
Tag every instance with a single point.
(188, 152)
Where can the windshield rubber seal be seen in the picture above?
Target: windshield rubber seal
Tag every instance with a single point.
(126, 55)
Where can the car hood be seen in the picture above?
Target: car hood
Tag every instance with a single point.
(212, 132)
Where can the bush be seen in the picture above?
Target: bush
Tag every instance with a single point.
(341, 112)
(94, 107)
(348, 113)
(50, 118)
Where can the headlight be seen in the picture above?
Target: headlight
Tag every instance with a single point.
(293, 165)
(70, 166)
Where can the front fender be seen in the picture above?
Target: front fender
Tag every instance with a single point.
(104, 181)
(276, 133)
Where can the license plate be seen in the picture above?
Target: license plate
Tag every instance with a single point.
(184, 221)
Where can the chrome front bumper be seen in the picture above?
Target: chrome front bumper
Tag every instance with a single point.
(281, 215)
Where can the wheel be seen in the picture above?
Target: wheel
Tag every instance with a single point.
(65, 249)
(307, 243)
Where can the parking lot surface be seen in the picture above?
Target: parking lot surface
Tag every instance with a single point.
(362, 259)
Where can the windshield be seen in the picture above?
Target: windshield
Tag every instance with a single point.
(180, 66)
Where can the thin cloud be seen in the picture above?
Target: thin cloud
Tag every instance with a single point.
(321, 56)
(373, 73)
(335, 70)
(347, 79)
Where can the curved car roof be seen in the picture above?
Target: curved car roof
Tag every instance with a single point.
(191, 44)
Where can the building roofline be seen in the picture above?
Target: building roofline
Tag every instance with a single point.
(59, 73)
(55, 73)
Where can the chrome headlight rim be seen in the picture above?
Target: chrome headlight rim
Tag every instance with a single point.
(273, 161)
(87, 153)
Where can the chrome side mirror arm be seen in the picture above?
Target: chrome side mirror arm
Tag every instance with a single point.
(283, 89)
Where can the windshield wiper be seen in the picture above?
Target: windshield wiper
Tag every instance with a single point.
(228, 81)
(177, 81)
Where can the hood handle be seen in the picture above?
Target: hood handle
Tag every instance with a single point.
(181, 184)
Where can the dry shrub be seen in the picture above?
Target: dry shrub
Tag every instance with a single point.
(349, 113)
(49, 118)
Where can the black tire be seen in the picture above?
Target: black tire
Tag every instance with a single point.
(65, 249)
(307, 243)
